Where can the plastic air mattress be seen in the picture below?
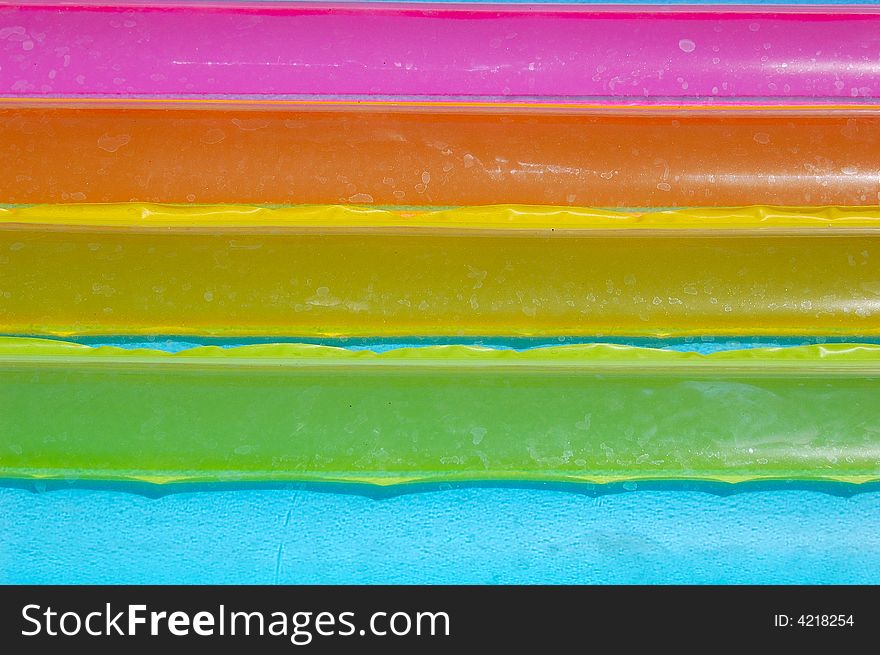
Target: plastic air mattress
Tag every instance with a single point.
(483, 271)
(313, 413)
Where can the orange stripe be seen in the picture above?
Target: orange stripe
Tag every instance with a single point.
(289, 155)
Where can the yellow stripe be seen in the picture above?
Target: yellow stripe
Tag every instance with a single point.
(506, 217)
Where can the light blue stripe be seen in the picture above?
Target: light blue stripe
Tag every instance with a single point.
(465, 535)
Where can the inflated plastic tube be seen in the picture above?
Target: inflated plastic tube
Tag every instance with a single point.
(485, 271)
(696, 55)
(416, 155)
(312, 413)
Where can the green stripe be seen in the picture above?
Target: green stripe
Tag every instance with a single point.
(313, 413)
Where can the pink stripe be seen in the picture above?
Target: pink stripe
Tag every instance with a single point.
(280, 51)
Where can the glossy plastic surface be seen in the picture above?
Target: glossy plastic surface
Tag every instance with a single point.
(286, 50)
(417, 155)
(286, 412)
(296, 535)
(491, 271)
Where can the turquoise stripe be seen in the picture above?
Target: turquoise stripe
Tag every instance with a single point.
(464, 535)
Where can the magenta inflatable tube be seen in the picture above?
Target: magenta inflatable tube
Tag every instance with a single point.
(788, 56)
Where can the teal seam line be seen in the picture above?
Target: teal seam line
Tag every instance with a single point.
(152, 490)
(705, 344)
